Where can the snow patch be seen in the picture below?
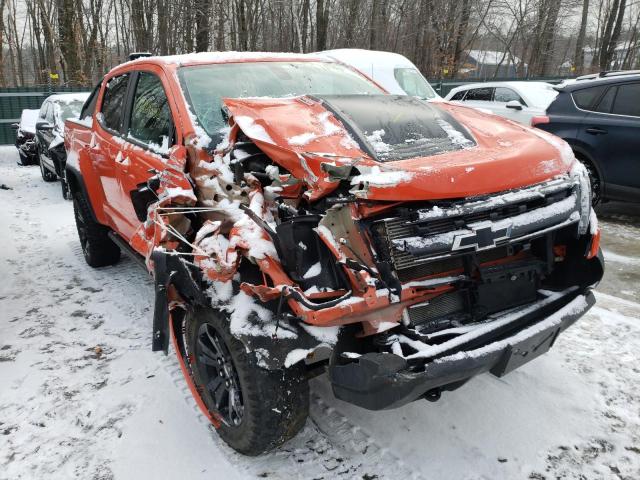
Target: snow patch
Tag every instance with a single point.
(375, 139)
(456, 137)
(313, 271)
(253, 130)
(382, 178)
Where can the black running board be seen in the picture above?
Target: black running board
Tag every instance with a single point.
(128, 250)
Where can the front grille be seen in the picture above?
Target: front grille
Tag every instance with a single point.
(408, 223)
(438, 308)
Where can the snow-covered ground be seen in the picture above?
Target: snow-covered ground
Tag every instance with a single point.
(82, 395)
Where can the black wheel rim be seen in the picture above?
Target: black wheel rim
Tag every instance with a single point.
(218, 375)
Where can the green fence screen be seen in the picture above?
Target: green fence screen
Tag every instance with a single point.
(14, 100)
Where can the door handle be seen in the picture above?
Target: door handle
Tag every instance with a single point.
(596, 131)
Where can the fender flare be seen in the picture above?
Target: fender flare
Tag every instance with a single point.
(77, 185)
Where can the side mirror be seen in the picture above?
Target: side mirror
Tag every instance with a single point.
(15, 126)
(44, 126)
(515, 104)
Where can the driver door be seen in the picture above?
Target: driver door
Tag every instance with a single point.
(149, 133)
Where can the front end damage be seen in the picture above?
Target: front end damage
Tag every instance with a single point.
(406, 266)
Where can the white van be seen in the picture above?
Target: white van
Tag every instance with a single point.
(394, 72)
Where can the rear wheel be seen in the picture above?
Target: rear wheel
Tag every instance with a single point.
(98, 249)
(260, 409)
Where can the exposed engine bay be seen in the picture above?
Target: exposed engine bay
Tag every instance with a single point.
(350, 238)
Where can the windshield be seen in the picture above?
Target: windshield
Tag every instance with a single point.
(66, 110)
(413, 83)
(205, 86)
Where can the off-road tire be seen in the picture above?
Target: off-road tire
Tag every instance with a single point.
(276, 402)
(47, 176)
(98, 249)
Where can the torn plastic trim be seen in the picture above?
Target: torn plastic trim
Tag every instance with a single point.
(168, 270)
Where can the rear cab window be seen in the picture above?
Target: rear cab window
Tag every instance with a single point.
(587, 98)
(89, 106)
(484, 94)
(506, 95)
(113, 103)
(627, 100)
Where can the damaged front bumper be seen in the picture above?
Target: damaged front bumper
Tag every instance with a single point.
(379, 381)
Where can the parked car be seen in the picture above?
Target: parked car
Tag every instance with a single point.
(394, 72)
(25, 137)
(298, 220)
(50, 134)
(519, 101)
(599, 116)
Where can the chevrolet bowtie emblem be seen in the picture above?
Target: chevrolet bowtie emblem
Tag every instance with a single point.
(483, 236)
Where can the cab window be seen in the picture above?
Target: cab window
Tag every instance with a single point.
(113, 102)
(483, 94)
(506, 95)
(459, 96)
(588, 97)
(150, 115)
(607, 101)
(90, 104)
(626, 102)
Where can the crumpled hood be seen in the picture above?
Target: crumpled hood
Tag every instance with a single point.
(400, 148)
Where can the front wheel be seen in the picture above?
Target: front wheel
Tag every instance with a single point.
(259, 409)
(47, 176)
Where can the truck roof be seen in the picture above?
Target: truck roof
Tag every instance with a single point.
(225, 57)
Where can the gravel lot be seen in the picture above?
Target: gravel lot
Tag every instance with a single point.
(82, 395)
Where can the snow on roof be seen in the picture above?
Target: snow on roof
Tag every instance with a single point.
(493, 57)
(356, 56)
(69, 97)
(221, 57)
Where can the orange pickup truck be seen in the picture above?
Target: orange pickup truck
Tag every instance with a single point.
(299, 220)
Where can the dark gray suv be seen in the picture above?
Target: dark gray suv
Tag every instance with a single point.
(599, 116)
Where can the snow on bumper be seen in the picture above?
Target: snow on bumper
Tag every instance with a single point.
(377, 381)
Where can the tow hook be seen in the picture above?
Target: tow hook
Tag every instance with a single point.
(433, 395)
